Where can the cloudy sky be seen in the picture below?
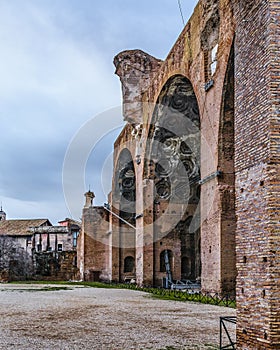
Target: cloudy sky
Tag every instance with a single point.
(57, 77)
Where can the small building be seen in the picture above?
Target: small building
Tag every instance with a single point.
(50, 249)
(21, 231)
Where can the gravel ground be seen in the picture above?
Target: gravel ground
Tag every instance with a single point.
(90, 318)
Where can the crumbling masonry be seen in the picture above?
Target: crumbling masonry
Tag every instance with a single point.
(197, 166)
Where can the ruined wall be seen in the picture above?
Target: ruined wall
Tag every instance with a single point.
(201, 54)
(257, 173)
(229, 53)
(212, 24)
(93, 245)
(127, 188)
(55, 266)
(53, 238)
(135, 68)
(226, 153)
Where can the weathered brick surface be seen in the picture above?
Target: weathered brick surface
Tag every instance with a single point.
(93, 245)
(55, 266)
(210, 24)
(257, 174)
(234, 100)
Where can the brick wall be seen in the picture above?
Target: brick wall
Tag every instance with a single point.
(212, 23)
(93, 245)
(55, 266)
(257, 173)
(245, 199)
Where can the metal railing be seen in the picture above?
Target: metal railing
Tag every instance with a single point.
(225, 333)
(201, 297)
(194, 295)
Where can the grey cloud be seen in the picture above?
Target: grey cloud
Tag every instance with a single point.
(56, 73)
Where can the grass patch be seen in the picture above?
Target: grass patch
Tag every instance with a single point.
(159, 293)
(196, 298)
(96, 285)
(69, 283)
(38, 282)
(51, 289)
(44, 289)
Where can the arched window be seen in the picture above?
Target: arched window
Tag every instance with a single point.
(174, 152)
(162, 260)
(129, 264)
(185, 265)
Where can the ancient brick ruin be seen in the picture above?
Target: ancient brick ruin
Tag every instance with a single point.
(35, 249)
(196, 168)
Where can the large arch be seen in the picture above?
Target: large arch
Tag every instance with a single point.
(173, 163)
(124, 196)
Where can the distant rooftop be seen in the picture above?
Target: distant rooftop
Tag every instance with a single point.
(21, 227)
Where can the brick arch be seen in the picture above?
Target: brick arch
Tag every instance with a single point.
(176, 115)
(129, 264)
(172, 161)
(125, 205)
(125, 184)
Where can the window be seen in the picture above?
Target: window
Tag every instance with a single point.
(129, 264)
(213, 63)
(59, 247)
(162, 260)
(210, 66)
(75, 237)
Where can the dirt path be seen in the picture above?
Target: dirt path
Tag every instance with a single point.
(89, 318)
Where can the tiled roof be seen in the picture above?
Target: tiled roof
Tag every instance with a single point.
(21, 227)
(70, 221)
